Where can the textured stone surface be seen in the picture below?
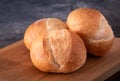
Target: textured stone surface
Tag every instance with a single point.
(17, 15)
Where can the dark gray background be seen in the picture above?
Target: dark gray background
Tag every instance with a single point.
(17, 15)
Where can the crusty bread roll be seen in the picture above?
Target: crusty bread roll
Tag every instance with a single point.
(92, 26)
(40, 27)
(53, 48)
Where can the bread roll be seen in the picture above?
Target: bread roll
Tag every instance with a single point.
(92, 26)
(40, 27)
(59, 51)
(53, 48)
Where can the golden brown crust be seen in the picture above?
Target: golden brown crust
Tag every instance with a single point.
(59, 44)
(84, 21)
(92, 26)
(55, 24)
(40, 27)
(33, 31)
(39, 58)
(102, 42)
(78, 55)
(53, 48)
(100, 47)
(60, 51)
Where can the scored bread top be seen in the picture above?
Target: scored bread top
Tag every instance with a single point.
(59, 51)
(52, 52)
(40, 28)
(93, 27)
(53, 48)
(104, 32)
(54, 23)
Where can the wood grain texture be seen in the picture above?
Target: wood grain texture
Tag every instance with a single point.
(15, 65)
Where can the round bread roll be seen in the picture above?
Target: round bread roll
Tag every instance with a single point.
(53, 48)
(58, 51)
(92, 26)
(40, 27)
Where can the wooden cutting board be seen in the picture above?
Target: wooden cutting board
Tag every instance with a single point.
(15, 65)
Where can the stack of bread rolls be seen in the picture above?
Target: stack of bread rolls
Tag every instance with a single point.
(61, 47)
